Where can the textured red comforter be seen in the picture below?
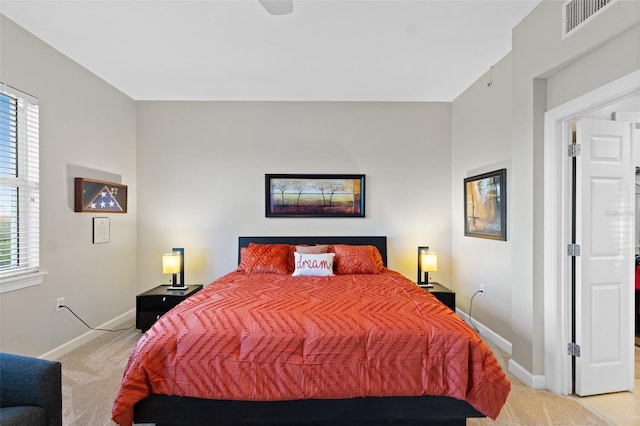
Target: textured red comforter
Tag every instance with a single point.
(277, 337)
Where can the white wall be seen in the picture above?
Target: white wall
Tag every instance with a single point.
(201, 168)
(196, 176)
(539, 53)
(545, 71)
(195, 173)
(481, 142)
(85, 126)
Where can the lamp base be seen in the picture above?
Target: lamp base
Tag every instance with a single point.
(180, 287)
(425, 285)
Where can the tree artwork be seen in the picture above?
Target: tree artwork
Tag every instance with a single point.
(315, 195)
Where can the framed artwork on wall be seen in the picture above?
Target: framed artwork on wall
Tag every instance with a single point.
(96, 196)
(101, 230)
(314, 195)
(485, 205)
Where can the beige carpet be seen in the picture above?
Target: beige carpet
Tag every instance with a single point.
(91, 376)
(530, 407)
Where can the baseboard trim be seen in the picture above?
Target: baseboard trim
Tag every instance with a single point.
(531, 380)
(65, 348)
(485, 331)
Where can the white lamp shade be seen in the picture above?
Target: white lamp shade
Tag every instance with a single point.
(171, 263)
(429, 262)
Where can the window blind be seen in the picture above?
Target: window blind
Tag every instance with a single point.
(19, 183)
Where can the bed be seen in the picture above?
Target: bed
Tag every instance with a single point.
(264, 371)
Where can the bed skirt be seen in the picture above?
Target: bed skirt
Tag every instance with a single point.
(418, 410)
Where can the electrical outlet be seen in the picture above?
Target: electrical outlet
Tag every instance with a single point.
(59, 303)
(482, 288)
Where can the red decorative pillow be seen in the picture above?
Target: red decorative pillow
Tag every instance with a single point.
(291, 262)
(357, 259)
(244, 255)
(317, 249)
(268, 258)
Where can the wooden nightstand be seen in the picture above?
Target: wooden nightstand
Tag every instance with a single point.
(154, 303)
(443, 294)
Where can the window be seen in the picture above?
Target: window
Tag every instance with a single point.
(19, 190)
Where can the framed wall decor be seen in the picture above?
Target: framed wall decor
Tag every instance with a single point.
(314, 195)
(101, 230)
(485, 205)
(96, 196)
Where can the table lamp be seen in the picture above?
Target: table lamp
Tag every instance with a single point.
(173, 263)
(427, 262)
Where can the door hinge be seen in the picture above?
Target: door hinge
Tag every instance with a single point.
(575, 149)
(573, 249)
(573, 349)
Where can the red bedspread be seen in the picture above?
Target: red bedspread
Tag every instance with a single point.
(277, 337)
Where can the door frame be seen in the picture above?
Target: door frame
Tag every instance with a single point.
(557, 298)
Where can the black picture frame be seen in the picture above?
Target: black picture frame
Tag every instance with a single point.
(101, 230)
(314, 195)
(485, 205)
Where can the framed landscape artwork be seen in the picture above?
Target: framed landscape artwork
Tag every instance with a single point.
(485, 205)
(314, 195)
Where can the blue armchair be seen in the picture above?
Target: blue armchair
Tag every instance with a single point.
(30, 391)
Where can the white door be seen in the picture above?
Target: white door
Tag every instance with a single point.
(605, 220)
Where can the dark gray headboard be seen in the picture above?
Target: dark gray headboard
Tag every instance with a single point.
(379, 242)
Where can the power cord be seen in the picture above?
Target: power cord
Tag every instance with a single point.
(471, 308)
(92, 328)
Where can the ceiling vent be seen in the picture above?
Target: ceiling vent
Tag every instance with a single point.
(577, 13)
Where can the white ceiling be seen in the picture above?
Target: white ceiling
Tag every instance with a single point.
(362, 50)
